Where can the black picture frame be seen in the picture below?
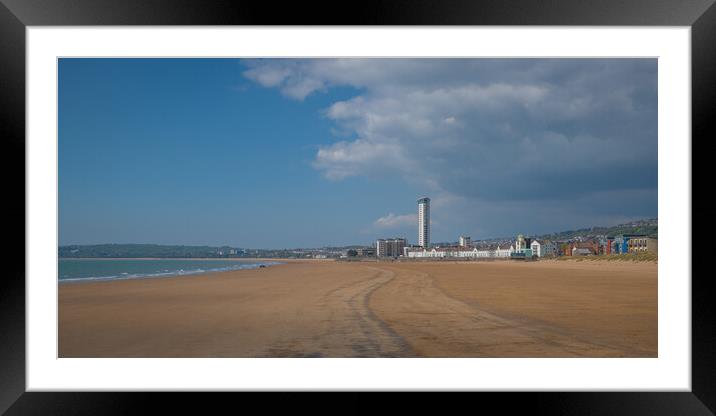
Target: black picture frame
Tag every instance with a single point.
(15, 15)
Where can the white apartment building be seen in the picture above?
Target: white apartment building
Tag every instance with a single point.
(424, 222)
(381, 248)
(465, 241)
(452, 252)
(537, 248)
(543, 248)
(392, 247)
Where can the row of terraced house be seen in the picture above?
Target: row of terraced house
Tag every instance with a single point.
(622, 244)
(523, 247)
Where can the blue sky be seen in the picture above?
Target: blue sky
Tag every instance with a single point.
(305, 153)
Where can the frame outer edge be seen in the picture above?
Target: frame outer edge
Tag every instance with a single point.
(12, 282)
(367, 12)
(703, 107)
(12, 118)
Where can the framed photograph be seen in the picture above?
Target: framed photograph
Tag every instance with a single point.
(450, 199)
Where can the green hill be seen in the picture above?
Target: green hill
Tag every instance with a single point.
(648, 227)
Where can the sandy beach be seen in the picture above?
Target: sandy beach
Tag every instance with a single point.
(370, 309)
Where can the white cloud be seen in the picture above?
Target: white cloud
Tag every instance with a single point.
(359, 157)
(485, 130)
(393, 221)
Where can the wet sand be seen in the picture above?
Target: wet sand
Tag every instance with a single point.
(370, 309)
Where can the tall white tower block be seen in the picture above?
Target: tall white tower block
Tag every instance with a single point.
(424, 222)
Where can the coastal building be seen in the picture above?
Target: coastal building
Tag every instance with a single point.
(366, 252)
(606, 246)
(543, 248)
(642, 244)
(381, 247)
(522, 247)
(549, 248)
(395, 246)
(536, 247)
(423, 253)
(624, 245)
(585, 248)
(447, 252)
(577, 251)
(424, 222)
(411, 248)
(617, 245)
(392, 247)
(465, 241)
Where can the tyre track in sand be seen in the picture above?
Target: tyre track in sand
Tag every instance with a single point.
(348, 327)
(437, 325)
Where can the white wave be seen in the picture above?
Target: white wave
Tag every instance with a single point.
(167, 273)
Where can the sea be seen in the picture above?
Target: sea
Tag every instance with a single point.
(78, 270)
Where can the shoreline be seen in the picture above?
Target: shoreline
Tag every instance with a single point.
(167, 275)
(603, 264)
(194, 258)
